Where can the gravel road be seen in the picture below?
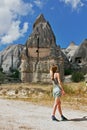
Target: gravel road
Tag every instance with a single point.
(20, 115)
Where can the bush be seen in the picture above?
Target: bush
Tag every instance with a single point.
(68, 71)
(1, 69)
(77, 76)
(15, 73)
(2, 77)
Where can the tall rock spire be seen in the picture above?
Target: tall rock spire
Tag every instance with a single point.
(42, 51)
(39, 19)
(42, 31)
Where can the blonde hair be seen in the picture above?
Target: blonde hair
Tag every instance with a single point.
(53, 69)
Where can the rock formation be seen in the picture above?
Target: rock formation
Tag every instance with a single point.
(40, 53)
(80, 56)
(10, 58)
(77, 56)
(70, 50)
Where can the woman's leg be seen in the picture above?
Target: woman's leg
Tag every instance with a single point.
(54, 110)
(55, 105)
(59, 106)
(63, 118)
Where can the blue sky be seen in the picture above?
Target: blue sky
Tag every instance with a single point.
(68, 19)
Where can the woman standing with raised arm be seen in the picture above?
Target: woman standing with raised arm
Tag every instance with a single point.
(57, 92)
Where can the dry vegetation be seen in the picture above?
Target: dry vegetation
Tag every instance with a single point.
(76, 94)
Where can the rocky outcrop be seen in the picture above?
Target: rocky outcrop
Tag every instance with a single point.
(70, 51)
(40, 53)
(10, 58)
(80, 55)
(77, 55)
(42, 34)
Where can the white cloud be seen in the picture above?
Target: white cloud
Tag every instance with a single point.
(75, 4)
(38, 3)
(10, 19)
(11, 14)
(14, 32)
(19, 7)
(25, 27)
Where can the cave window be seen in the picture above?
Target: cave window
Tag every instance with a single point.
(78, 59)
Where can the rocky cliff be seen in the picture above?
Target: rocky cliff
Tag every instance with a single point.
(10, 58)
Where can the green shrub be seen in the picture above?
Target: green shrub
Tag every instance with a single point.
(68, 71)
(77, 76)
(1, 69)
(15, 73)
(2, 77)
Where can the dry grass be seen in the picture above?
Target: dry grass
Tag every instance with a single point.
(76, 94)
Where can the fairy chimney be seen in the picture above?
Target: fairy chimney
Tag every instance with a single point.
(40, 53)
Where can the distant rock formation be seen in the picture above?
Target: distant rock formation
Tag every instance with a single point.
(77, 55)
(70, 50)
(80, 55)
(10, 58)
(40, 53)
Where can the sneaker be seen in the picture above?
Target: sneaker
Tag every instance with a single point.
(63, 118)
(54, 118)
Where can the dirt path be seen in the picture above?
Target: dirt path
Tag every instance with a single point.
(20, 115)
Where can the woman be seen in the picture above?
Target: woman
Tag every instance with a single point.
(57, 92)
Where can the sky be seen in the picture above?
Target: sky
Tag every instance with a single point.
(68, 19)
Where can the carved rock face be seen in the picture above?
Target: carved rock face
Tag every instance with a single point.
(42, 52)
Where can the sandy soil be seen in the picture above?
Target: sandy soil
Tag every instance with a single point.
(20, 115)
